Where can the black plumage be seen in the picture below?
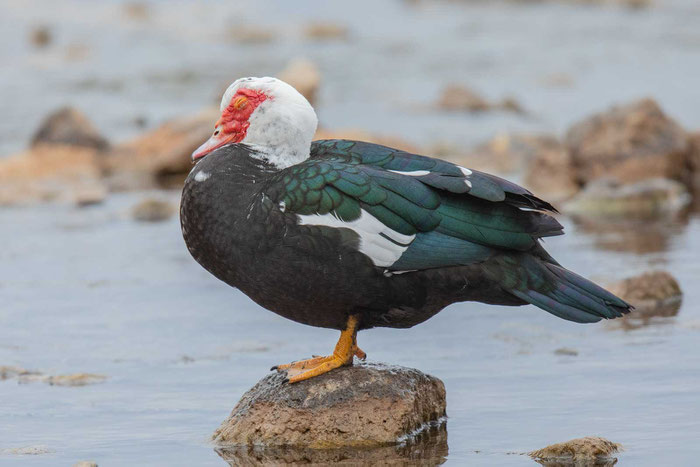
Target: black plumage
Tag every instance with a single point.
(473, 237)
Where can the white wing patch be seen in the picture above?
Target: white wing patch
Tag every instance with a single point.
(201, 176)
(383, 245)
(415, 173)
(465, 170)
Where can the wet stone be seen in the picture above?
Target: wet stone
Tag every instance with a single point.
(70, 127)
(653, 294)
(152, 210)
(630, 142)
(588, 451)
(362, 406)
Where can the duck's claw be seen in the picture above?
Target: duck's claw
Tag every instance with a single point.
(345, 350)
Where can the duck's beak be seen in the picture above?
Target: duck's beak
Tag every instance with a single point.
(217, 140)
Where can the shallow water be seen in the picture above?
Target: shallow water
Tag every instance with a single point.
(90, 290)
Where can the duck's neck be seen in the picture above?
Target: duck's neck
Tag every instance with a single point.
(281, 156)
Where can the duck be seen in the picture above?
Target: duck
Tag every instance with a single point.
(351, 235)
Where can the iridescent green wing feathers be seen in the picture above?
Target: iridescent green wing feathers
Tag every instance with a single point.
(456, 215)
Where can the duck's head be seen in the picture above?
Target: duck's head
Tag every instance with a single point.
(267, 114)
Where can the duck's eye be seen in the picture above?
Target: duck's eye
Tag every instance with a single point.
(216, 133)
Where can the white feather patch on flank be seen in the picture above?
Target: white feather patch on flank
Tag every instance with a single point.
(465, 170)
(468, 183)
(383, 245)
(415, 173)
(201, 176)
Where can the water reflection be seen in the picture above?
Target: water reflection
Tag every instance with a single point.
(607, 462)
(430, 448)
(658, 313)
(632, 235)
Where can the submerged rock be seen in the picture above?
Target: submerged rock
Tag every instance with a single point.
(367, 405)
(457, 97)
(40, 36)
(152, 210)
(29, 376)
(326, 31)
(35, 450)
(588, 451)
(69, 126)
(247, 34)
(646, 199)
(631, 142)
(653, 294)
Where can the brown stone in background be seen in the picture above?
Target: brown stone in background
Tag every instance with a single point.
(326, 31)
(70, 127)
(631, 142)
(655, 293)
(50, 172)
(365, 405)
(460, 97)
(588, 451)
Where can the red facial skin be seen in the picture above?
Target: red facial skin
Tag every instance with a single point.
(233, 123)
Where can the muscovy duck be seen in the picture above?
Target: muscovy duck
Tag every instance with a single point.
(351, 235)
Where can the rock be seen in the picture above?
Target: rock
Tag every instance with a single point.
(367, 405)
(363, 135)
(153, 157)
(632, 142)
(508, 153)
(28, 376)
(694, 164)
(75, 379)
(457, 97)
(588, 451)
(70, 127)
(152, 210)
(550, 173)
(655, 293)
(249, 35)
(646, 199)
(90, 194)
(326, 31)
(40, 36)
(510, 104)
(9, 371)
(137, 11)
(27, 450)
(49, 173)
(303, 75)
(85, 464)
(566, 351)
(558, 80)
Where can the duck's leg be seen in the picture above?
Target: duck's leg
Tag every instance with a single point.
(345, 349)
